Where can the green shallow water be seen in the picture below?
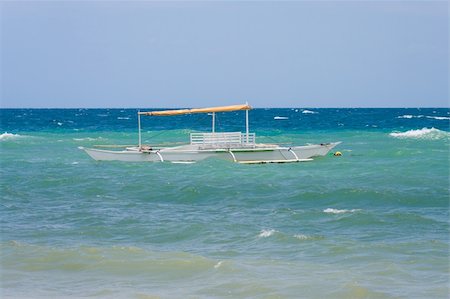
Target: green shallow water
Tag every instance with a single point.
(373, 223)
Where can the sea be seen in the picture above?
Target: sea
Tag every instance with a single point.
(372, 223)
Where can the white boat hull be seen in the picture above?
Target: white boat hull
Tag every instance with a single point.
(242, 155)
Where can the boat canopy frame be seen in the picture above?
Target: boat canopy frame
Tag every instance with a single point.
(212, 110)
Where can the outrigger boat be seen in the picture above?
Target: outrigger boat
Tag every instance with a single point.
(233, 146)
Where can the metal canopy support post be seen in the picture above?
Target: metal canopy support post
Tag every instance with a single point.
(139, 129)
(213, 122)
(246, 125)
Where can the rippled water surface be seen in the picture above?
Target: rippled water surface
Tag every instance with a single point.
(373, 223)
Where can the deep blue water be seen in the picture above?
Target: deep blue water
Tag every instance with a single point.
(373, 223)
(69, 120)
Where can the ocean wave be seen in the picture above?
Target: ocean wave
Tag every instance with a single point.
(88, 139)
(337, 211)
(110, 259)
(309, 112)
(439, 117)
(123, 117)
(218, 264)
(302, 237)
(281, 117)
(409, 116)
(424, 133)
(266, 233)
(9, 136)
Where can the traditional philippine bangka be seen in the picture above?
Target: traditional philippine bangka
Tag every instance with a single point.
(233, 146)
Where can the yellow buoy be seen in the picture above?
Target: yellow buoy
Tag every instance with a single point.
(338, 154)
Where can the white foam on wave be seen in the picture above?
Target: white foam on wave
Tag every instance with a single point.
(266, 233)
(309, 112)
(123, 117)
(424, 133)
(337, 211)
(408, 116)
(439, 117)
(218, 264)
(302, 237)
(9, 136)
(281, 117)
(88, 139)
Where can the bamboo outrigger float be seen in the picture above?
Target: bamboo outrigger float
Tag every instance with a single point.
(233, 146)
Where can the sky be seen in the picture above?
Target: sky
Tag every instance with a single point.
(69, 54)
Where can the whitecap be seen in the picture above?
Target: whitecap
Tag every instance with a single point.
(9, 136)
(266, 233)
(281, 117)
(87, 139)
(309, 112)
(123, 117)
(218, 264)
(422, 116)
(301, 237)
(59, 123)
(424, 133)
(439, 117)
(337, 211)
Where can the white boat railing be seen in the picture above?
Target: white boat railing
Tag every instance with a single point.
(222, 138)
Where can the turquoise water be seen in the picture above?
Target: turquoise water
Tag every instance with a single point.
(373, 223)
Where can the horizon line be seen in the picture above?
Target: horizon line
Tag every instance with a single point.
(170, 108)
